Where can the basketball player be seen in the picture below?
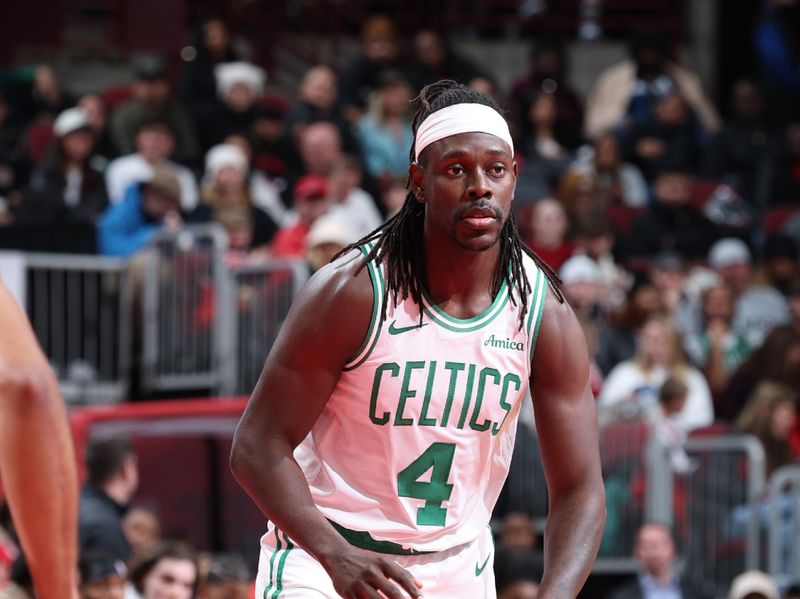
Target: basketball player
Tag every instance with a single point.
(380, 433)
(37, 461)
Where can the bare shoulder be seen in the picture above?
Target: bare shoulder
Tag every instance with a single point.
(334, 308)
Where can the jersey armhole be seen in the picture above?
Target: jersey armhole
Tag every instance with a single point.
(535, 311)
(371, 338)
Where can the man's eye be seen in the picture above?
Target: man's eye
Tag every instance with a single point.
(498, 169)
(456, 169)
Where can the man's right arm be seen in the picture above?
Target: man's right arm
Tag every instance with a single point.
(325, 326)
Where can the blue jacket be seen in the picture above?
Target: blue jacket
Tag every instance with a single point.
(124, 229)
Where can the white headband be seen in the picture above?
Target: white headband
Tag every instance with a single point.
(461, 118)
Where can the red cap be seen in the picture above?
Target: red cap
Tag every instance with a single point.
(311, 186)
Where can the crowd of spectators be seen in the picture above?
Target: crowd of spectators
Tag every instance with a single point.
(676, 232)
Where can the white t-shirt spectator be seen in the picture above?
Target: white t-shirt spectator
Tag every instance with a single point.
(133, 168)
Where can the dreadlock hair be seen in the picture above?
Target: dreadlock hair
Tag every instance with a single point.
(398, 242)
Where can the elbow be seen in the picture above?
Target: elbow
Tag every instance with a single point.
(26, 387)
(239, 458)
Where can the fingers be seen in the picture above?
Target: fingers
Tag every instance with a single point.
(404, 578)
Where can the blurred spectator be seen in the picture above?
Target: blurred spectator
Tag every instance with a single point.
(112, 478)
(152, 100)
(265, 191)
(212, 46)
(351, 204)
(225, 187)
(717, 349)
(274, 151)
(225, 578)
(667, 142)
(380, 52)
(48, 97)
(546, 155)
(311, 201)
(672, 398)
(74, 189)
(434, 60)
(320, 148)
(583, 286)
(548, 229)
(670, 222)
(785, 188)
(616, 182)
(739, 151)
(14, 164)
(548, 74)
(168, 569)
(758, 308)
(781, 262)
(778, 51)
(102, 576)
(127, 227)
(667, 273)
(239, 86)
(327, 237)
(626, 93)
(96, 110)
(595, 239)
(770, 415)
(658, 568)
(155, 142)
(753, 585)
(777, 359)
(618, 342)
(658, 356)
(384, 132)
(141, 528)
(577, 191)
(317, 100)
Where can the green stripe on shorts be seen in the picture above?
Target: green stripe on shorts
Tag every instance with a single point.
(281, 564)
(272, 562)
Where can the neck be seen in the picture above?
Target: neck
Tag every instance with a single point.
(458, 280)
(662, 578)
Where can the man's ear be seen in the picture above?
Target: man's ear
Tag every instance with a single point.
(416, 174)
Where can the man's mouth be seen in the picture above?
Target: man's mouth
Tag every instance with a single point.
(479, 218)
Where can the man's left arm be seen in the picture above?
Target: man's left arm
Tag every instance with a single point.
(566, 421)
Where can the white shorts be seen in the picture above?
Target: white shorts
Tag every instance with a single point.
(286, 571)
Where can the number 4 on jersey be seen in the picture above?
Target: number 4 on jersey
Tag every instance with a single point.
(438, 456)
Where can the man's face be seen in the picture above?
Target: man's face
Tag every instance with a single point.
(672, 189)
(157, 204)
(155, 143)
(319, 87)
(320, 146)
(111, 587)
(655, 550)
(467, 183)
(153, 92)
(170, 578)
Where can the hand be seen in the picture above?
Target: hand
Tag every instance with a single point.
(173, 220)
(716, 331)
(358, 574)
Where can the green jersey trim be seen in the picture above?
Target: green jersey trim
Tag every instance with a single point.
(371, 338)
(364, 540)
(536, 310)
(466, 325)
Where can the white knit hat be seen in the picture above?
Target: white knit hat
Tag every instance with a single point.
(580, 269)
(229, 74)
(224, 155)
(70, 120)
(727, 252)
(753, 582)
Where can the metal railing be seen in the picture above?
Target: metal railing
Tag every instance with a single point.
(185, 305)
(783, 507)
(80, 310)
(260, 300)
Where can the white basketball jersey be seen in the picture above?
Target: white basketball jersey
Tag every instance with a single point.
(414, 445)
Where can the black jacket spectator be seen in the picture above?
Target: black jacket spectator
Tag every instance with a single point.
(101, 524)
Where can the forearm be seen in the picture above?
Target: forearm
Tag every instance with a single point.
(38, 467)
(572, 538)
(275, 482)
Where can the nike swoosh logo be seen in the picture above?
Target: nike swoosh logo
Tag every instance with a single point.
(479, 570)
(395, 330)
